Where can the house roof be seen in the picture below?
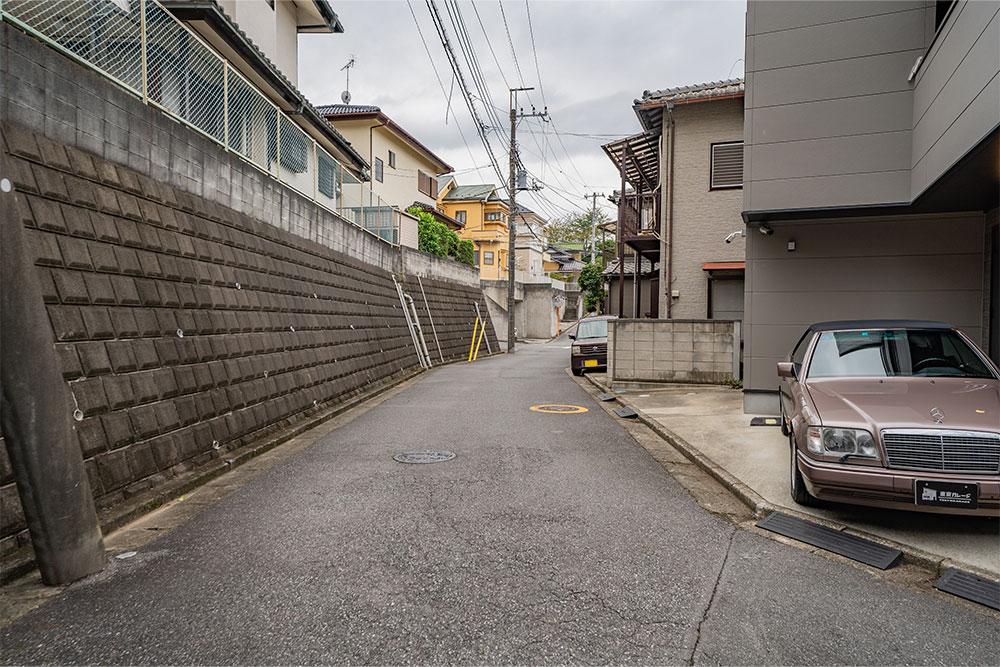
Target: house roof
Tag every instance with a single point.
(438, 215)
(646, 267)
(482, 192)
(641, 154)
(338, 109)
(335, 112)
(223, 25)
(649, 108)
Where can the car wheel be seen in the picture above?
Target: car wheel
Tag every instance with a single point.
(577, 371)
(797, 487)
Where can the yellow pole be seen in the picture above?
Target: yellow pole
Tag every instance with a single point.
(482, 330)
(475, 328)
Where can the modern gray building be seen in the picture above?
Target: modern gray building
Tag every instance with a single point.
(871, 171)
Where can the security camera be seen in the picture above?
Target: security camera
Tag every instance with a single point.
(741, 232)
(765, 230)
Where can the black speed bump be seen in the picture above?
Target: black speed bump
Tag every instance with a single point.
(849, 546)
(626, 413)
(605, 397)
(971, 587)
(765, 421)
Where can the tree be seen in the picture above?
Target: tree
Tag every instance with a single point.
(591, 282)
(575, 228)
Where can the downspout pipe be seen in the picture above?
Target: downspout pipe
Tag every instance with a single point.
(670, 216)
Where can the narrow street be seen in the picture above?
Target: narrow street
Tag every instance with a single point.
(550, 538)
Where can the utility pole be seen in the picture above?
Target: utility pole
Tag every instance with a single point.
(511, 224)
(593, 224)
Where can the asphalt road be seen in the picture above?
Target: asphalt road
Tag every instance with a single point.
(550, 538)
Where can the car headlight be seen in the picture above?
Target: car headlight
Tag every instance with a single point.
(828, 441)
(576, 349)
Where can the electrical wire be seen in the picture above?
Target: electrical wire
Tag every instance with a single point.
(438, 76)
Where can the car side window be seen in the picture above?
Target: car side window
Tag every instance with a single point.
(799, 353)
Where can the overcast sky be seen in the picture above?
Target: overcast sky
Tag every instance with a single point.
(594, 59)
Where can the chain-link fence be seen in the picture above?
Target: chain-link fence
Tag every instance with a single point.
(144, 48)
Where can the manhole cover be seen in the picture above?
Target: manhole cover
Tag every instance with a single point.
(424, 457)
(569, 409)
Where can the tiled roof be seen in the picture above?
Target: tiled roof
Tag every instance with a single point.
(693, 92)
(463, 192)
(646, 268)
(338, 109)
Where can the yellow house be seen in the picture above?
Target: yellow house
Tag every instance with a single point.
(484, 214)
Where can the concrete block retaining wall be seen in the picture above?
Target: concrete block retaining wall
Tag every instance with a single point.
(644, 350)
(197, 306)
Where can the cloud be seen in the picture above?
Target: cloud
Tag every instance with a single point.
(595, 58)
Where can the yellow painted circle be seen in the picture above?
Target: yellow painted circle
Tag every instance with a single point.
(559, 409)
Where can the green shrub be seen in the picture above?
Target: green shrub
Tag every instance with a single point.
(466, 253)
(592, 284)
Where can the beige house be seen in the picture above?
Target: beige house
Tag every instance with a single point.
(686, 176)
(529, 248)
(274, 26)
(404, 171)
(259, 39)
(872, 166)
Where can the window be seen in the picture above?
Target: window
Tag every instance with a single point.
(476, 256)
(941, 8)
(460, 216)
(392, 159)
(327, 174)
(427, 184)
(727, 165)
(494, 216)
(488, 257)
(895, 352)
(379, 167)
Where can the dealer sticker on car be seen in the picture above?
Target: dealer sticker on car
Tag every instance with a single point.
(946, 494)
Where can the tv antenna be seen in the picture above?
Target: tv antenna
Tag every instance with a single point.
(345, 96)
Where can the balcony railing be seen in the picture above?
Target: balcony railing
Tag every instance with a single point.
(639, 215)
(143, 48)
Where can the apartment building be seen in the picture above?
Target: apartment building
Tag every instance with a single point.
(872, 171)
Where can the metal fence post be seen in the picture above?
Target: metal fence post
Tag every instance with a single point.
(142, 49)
(225, 102)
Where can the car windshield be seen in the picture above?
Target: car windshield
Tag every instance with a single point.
(895, 352)
(592, 329)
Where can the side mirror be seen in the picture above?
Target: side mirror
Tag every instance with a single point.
(572, 336)
(786, 369)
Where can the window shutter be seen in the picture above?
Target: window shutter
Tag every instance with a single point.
(727, 165)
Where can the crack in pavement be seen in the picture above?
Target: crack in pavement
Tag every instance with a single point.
(711, 599)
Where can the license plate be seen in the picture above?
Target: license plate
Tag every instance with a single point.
(590, 362)
(946, 494)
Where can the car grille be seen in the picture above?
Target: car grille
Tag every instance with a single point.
(942, 451)
(593, 349)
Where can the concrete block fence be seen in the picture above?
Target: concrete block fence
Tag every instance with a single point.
(644, 350)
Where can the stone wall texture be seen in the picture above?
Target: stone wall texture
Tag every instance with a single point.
(198, 307)
(699, 351)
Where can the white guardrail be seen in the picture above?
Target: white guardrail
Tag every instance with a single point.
(142, 47)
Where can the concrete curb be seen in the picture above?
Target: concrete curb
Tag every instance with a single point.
(935, 565)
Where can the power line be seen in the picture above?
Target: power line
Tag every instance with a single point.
(438, 76)
(453, 61)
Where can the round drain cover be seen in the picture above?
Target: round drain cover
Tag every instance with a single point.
(424, 457)
(568, 409)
